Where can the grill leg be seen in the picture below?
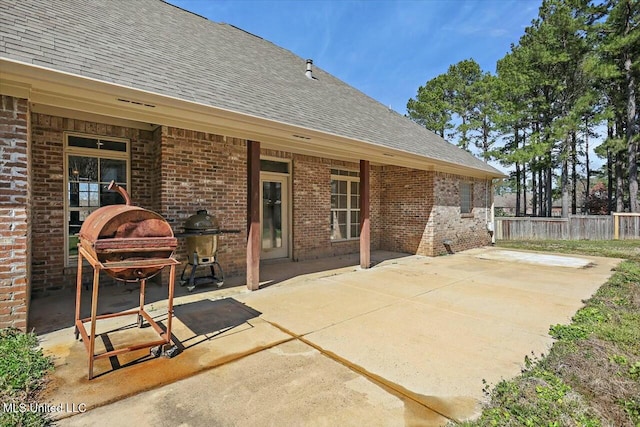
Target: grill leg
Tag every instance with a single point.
(192, 278)
(78, 293)
(182, 281)
(221, 278)
(94, 313)
(143, 284)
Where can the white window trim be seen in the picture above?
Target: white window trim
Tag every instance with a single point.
(348, 209)
(69, 260)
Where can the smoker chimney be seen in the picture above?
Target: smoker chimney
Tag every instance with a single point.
(309, 72)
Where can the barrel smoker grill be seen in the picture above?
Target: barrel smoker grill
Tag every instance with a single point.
(201, 232)
(130, 244)
(124, 233)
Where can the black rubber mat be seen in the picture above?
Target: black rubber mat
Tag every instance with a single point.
(207, 316)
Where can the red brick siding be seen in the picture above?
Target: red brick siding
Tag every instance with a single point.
(206, 171)
(464, 232)
(405, 206)
(15, 212)
(49, 270)
(375, 216)
(176, 172)
(312, 209)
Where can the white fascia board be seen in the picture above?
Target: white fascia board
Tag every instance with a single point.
(47, 88)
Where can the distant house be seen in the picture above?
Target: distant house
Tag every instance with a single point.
(187, 114)
(505, 204)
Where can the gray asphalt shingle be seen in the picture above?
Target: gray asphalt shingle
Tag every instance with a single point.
(154, 46)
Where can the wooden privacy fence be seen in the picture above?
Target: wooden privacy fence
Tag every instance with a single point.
(577, 227)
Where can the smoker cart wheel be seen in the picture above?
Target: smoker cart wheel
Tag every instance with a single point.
(170, 352)
(183, 282)
(155, 351)
(140, 321)
(220, 283)
(191, 288)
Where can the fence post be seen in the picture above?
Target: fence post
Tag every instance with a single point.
(616, 226)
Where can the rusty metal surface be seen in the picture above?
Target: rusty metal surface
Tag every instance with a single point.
(119, 233)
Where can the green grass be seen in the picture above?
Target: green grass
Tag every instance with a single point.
(23, 370)
(591, 375)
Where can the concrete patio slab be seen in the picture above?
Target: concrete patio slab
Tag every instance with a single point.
(291, 384)
(537, 259)
(130, 373)
(408, 341)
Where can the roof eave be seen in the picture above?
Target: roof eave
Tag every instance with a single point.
(53, 88)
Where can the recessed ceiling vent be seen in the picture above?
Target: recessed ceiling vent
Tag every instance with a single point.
(142, 104)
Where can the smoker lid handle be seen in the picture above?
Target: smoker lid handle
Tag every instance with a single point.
(115, 187)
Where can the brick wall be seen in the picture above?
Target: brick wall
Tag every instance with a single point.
(206, 171)
(375, 215)
(49, 271)
(312, 209)
(176, 172)
(15, 212)
(406, 199)
(464, 231)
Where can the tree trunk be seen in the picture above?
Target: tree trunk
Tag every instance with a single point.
(574, 175)
(564, 179)
(632, 146)
(534, 191)
(610, 169)
(524, 175)
(587, 166)
(524, 188)
(549, 191)
(516, 136)
(541, 203)
(619, 184)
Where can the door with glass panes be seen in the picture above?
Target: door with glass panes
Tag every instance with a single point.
(274, 220)
(91, 164)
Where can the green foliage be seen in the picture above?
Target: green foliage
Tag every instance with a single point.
(568, 332)
(591, 376)
(431, 107)
(465, 93)
(536, 398)
(23, 369)
(22, 365)
(574, 67)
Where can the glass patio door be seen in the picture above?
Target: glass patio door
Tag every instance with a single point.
(274, 228)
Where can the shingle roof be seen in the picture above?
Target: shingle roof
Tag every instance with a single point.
(154, 46)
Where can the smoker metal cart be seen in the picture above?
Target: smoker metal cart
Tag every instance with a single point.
(158, 346)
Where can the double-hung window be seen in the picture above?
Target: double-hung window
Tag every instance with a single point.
(91, 164)
(345, 204)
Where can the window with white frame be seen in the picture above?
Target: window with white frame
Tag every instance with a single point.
(466, 197)
(91, 164)
(345, 204)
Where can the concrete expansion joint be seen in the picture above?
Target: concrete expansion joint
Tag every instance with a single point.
(376, 379)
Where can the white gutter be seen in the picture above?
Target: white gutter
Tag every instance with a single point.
(69, 91)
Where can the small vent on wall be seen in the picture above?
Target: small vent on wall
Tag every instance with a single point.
(142, 104)
(301, 137)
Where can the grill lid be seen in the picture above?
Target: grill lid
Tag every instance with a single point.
(201, 221)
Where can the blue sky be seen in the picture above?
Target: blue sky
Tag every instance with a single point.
(386, 49)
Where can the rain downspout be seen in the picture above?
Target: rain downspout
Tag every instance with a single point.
(490, 224)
